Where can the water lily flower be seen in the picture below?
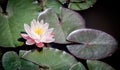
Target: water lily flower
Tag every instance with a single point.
(38, 33)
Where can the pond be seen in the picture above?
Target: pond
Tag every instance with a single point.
(98, 27)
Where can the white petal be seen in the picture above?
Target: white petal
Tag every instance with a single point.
(29, 32)
(50, 30)
(27, 29)
(34, 35)
(33, 24)
(42, 22)
(39, 24)
(45, 26)
(47, 38)
(38, 40)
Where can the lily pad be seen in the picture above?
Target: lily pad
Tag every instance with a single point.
(54, 4)
(98, 65)
(81, 4)
(11, 61)
(65, 23)
(11, 23)
(94, 44)
(51, 59)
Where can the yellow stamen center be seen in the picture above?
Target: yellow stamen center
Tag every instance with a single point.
(39, 31)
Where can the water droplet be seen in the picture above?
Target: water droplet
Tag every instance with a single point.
(56, 50)
(64, 52)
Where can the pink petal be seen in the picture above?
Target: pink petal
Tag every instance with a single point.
(30, 42)
(27, 29)
(50, 30)
(33, 24)
(25, 36)
(52, 34)
(50, 38)
(40, 45)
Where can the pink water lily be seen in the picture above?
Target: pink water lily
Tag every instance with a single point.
(38, 33)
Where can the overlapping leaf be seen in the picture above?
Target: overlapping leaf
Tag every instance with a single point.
(52, 59)
(95, 44)
(66, 22)
(81, 4)
(11, 24)
(11, 61)
(54, 4)
(98, 65)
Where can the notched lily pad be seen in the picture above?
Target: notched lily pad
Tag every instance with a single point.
(81, 4)
(11, 61)
(52, 59)
(95, 44)
(12, 24)
(98, 65)
(52, 4)
(66, 22)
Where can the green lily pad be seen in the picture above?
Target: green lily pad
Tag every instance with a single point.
(98, 65)
(11, 61)
(51, 59)
(11, 23)
(81, 4)
(47, 59)
(65, 23)
(54, 4)
(95, 44)
(77, 66)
